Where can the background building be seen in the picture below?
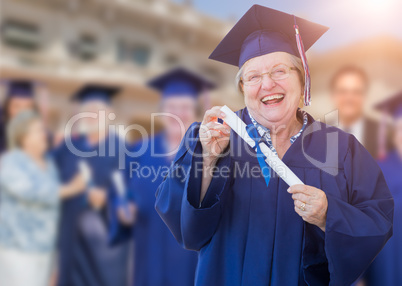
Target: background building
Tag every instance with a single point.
(65, 43)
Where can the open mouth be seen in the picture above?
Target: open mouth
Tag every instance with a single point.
(272, 99)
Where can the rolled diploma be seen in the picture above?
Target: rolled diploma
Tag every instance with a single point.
(271, 159)
(85, 171)
(118, 181)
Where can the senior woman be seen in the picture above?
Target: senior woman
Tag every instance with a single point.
(249, 227)
(29, 204)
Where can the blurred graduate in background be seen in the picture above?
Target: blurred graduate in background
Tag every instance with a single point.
(85, 257)
(349, 88)
(159, 259)
(20, 96)
(386, 268)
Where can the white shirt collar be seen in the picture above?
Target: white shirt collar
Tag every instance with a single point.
(356, 129)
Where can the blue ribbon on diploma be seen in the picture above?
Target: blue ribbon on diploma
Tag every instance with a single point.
(253, 132)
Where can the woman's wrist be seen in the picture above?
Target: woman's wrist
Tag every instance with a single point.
(64, 191)
(69, 190)
(208, 161)
(208, 164)
(322, 226)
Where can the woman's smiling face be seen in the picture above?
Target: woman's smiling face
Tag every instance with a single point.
(272, 102)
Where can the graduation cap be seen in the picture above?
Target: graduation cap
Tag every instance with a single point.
(20, 88)
(263, 31)
(180, 82)
(96, 92)
(392, 106)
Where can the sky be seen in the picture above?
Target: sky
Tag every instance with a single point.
(349, 20)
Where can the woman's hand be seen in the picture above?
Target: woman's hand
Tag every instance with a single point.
(127, 214)
(78, 183)
(311, 204)
(97, 198)
(214, 139)
(76, 186)
(214, 136)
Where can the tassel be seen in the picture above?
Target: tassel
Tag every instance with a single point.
(307, 80)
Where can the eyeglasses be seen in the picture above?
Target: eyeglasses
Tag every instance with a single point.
(278, 72)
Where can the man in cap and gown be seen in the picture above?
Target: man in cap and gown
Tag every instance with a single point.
(387, 266)
(85, 256)
(248, 231)
(159, 259)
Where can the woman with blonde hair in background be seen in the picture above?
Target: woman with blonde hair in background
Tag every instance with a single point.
(19, 97)
(29, 204)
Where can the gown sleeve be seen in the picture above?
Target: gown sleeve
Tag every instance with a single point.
(191, 222)
(356, 230)
(67, 170)
(119, 233)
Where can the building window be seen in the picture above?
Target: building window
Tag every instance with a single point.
(21, 35)
(137, 54)
(171, 60)
(85, 48)
(141, 55)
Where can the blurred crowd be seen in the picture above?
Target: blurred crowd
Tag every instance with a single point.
(77, 203)
(78, 210)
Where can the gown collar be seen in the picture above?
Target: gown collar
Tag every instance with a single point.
(266, 133)
(293, 156)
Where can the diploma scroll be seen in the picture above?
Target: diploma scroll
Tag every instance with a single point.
(118, 181)
(271, 159)
(85, 172)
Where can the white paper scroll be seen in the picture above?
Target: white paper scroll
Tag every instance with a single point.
(118, 181)
(85, 171)
(271, 159)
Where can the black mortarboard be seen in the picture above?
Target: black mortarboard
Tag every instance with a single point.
(262, 31)
(96, 92)
(20, 88)
(180, 82)
(392, 106)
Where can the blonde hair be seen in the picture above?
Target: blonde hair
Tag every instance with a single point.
(293, 59)
(18, 128)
